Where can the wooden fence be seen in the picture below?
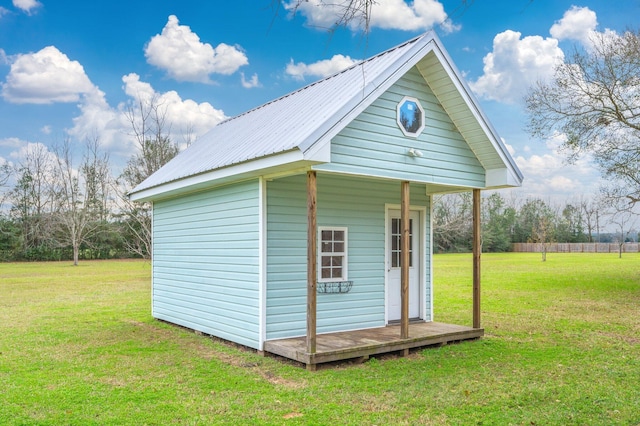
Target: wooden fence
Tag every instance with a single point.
(577, 247)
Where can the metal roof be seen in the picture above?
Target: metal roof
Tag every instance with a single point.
(305, 120)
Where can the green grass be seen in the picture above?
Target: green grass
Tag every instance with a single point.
(78, 346)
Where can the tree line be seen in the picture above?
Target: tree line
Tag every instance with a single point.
(505, 221)
(58, 207)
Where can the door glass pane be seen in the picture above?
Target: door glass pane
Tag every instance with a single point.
(396, 243)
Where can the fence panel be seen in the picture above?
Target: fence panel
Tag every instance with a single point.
(576, 247)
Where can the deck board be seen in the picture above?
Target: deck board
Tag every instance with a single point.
(374, 341)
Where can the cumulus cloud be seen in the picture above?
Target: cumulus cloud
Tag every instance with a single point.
(27, 6)
(386, 14)
(45, 77)
(322, 68)
(577, 23)
(184, 117)
(548, 174)
(251, 83)
(12, 143)
(179, 52)
(515, 64)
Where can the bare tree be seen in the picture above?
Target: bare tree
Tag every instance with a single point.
(593, 101)
(151, 131)
(542, 234)
(32, 197)
(349, 13)
(5, 174)
(452, 222)
(624, 220)
(81, 195)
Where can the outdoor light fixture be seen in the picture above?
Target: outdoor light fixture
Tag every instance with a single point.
(414, 152)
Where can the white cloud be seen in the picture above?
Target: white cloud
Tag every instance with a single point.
(179, 52)
(418, 15)
(184, 117)
(386, 14)
(12, 143)
(27, 5)
(3, 11)
(577, 23)
(46, 130)
(45, 77)
(97, 118)
(515, 64)
(322, 68)
(547, 174)
(251, 83)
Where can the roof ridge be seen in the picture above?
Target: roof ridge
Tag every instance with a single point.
(314, 83)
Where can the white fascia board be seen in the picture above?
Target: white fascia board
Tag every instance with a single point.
(465, 91)
(290, 159)
(501, 178)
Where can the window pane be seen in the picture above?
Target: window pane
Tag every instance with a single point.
(337, 273)
(326, 235)
(338, 247)
(326, 273)
(338, 235)
(326, 247)
(336, 260)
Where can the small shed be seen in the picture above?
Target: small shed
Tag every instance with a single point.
(303, 227)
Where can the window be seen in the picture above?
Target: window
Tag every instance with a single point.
(396, 243)
(410, 116)
(333, 254)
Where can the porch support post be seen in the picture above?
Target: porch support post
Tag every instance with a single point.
(477, 251)
(311, 261)
(404, 263)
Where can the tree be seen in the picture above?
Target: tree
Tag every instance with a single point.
(594, 101)
(5, 175)
(452, 222)
(148, 119)
(623, 219)
(498, 222)
(81, 196)
(591, 212)
(32, 197)
(348, 13)
(535, 224)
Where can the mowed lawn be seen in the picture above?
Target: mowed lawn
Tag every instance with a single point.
(78, 346)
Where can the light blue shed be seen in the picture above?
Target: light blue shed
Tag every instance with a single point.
(317, 181)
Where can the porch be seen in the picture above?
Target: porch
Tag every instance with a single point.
(364, 343)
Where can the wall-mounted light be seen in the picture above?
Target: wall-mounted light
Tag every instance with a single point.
(414, 152)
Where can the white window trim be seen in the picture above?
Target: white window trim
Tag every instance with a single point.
(345, 262)
(422, 126)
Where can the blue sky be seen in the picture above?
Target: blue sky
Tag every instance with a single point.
(68, 69)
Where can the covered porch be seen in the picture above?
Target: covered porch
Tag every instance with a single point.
(314, 348)
(362, 344)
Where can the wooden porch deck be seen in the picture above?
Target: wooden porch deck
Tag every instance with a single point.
(363, 343)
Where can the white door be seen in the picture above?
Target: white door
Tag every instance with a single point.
(394, 258)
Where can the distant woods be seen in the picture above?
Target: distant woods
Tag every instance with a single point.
(59, 204)
(532, 220)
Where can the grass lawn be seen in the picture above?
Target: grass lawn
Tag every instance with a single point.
(78, 346)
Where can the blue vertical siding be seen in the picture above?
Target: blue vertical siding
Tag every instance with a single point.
(374, 145)
(206, 262)
(355, 203)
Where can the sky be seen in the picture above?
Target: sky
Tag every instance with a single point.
(71, 69)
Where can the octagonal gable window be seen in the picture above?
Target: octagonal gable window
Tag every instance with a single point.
(410, 116)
